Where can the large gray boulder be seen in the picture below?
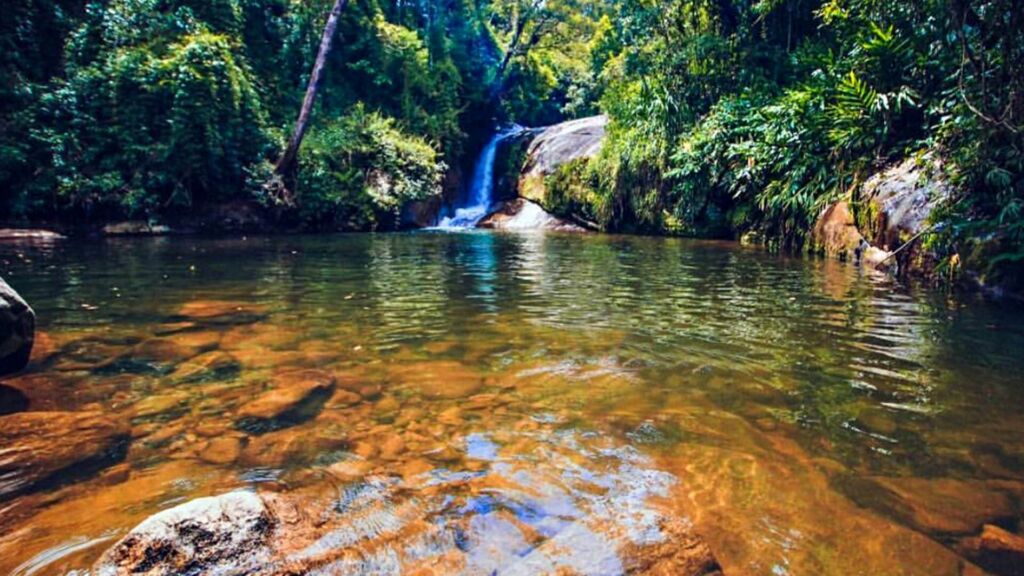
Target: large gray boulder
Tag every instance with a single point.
(557, 145)
(17, 330)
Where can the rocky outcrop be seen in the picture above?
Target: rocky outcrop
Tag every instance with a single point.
(884, 226)
(17, 330)
(522, 214)
(558, 145)
(42, 448)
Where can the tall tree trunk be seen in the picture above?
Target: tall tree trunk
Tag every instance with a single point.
(287, 160)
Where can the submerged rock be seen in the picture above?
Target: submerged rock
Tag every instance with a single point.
(17, 330)
(295, 398)
(43, 448)
(938, 507)
(227, 534)
(522, 214)
(995, 550)
(12, 400)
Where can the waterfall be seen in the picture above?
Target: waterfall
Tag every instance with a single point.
(478, 205)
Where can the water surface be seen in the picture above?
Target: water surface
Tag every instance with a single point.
(790, 401)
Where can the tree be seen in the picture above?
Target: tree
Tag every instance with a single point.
(287, 160)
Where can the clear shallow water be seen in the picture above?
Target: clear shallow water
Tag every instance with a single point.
(793, 401)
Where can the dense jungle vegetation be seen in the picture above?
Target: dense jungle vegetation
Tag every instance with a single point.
(726, 116)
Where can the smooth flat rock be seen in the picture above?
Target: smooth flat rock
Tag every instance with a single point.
(40, 448)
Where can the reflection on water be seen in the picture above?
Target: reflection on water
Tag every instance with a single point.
(807, 419)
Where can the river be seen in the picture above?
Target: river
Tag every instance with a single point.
(809, 418)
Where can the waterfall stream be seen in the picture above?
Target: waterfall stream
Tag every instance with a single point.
(480, 200)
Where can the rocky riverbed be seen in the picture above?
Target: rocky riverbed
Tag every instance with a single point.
(527, 425)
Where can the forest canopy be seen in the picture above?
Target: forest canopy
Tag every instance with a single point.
(725, 116)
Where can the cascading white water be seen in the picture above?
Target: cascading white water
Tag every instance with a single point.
(481, 193)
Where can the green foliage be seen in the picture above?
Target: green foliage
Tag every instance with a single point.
(357, 172)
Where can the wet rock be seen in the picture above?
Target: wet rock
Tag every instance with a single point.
(995, 550)
(294, 398)
(170, 403)
(29, 235)
(135, 228)
(226, 534)
(17, 330)
(208, 367)
(392, 447)
(521, 215)
(897, 204)
(557, 145)
(224, 450)
(42, 449)
(163, 351)
(344, 399)
(835, 233)
(439, 380)
(939, 507)
(221, 312)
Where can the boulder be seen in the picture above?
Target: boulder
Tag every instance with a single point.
(835, 233)
(522, 215)
(29, 235)
(135, 228)
(897, 202)
(226, 534)
(995, 550)
(295, 397)
(17, 330)
(38, 449)
(557, 145)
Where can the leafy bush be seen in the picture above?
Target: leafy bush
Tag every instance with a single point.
(357, 172)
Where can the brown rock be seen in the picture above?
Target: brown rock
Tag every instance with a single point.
(995, 550)
(224, 450)
(215, 365)
(39, 449)
(344, 399)
(439, 380)
(294, 398)
(392, 447)
(222, 311)
(835, 233)
(938, 507)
